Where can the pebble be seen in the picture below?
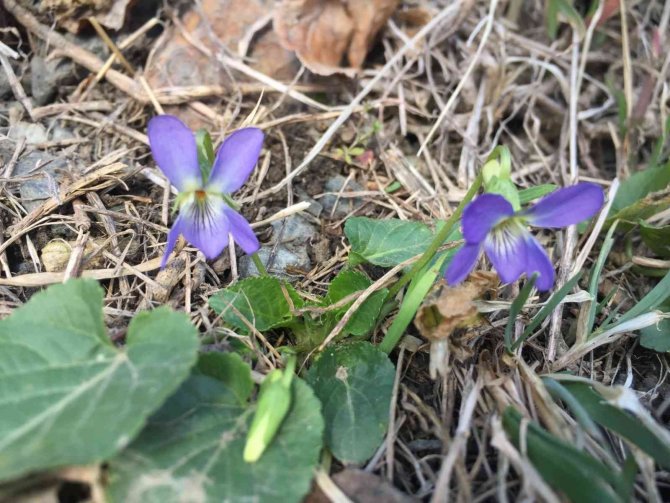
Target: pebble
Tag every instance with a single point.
(344, 205)
(291, 252)
(43, 168)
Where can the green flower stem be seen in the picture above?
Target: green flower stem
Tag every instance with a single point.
(439, 239)
(259, 265)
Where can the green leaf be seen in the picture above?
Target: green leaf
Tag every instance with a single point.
(547, 309)
(346, 283)
(581, 477)
(193, 447)
(619, 421)
(657, 337)
(68, 395)
(354, 383)
(262, 301)
(230, 369)
(649, 302)
(515, 310)
(387, 242)
(417, 291)
(633, 191)
(656, 238)
(564, 7)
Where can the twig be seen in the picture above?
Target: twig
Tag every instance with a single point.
(14, 83)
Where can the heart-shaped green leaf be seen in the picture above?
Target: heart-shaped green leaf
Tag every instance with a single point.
(346, 283)
(67, 395)
(193, 446)
(354, 383)
(261, 301)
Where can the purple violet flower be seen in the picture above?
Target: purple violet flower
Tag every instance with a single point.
(489, 222)
(206, 216)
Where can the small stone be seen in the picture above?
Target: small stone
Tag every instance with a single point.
(321, 251)
(56, 255)
(341, 207)
(43, 170)
(58, 132)
(315, 208)
(31, 132)
(294, 229)
(48, 76)
(286, 263)
(290, 259)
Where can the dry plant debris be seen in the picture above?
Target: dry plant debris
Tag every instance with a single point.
(324, 32)
(524, 395)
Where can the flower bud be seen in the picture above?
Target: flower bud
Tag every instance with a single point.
(274, 401)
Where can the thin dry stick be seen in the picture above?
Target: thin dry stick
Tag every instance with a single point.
(466, 75)
(48, 278)
(456, 447)
(390, 436)
(627, 64)
(14, 82)
(571, 232)
(110, 43)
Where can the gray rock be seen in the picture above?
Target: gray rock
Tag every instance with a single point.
(342, 207)
(284, 258)
(315, 208)
(294, 230)
(42, 168)
(46, 77)
(291, 238)
(31, 132)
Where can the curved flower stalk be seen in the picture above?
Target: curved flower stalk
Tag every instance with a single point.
(206, 214)
(490, 223)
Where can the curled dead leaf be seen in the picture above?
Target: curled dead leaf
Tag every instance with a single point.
(323, 32)
(447, 309)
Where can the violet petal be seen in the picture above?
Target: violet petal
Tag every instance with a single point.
(506, 249)
(482, 214)
(462, 263)
(204, 224)
(236, 159)
(567, 206)
(537, 261)
(242, 232)
(174, 149)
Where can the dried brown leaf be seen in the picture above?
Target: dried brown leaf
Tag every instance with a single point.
(324, 32)
(444, 311)
(448, 308)
(178, 62)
